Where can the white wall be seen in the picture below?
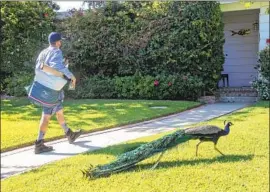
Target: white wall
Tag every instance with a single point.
(263, 19)
(264, 27)
(240, 51)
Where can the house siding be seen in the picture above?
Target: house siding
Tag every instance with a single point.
(235, 8)
(240, 51)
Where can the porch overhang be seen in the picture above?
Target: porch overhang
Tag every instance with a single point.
(237, 6)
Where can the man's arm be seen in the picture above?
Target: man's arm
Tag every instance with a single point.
(40, 65)
(53, 71)
(56, 62)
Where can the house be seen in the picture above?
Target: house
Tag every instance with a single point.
(241, 52)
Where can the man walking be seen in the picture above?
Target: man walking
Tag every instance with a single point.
(52, 56)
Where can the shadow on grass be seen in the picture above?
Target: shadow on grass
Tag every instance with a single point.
(106, 108)
(220, 159)
(172, 164)
(117, 150)
(123, 148)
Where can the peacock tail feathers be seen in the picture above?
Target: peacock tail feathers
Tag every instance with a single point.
(129, 159)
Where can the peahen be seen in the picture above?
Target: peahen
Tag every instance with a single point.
(129, 159)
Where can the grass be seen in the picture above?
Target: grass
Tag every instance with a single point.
(20, 120)
(244, 168)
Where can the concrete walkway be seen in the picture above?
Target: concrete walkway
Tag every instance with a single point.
(21, 160)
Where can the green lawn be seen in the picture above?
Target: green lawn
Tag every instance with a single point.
(20, 120)
(244, 168)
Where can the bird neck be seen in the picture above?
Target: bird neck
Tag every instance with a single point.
(227, 129)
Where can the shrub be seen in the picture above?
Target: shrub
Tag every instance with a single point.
(140, 87)
(25, 26)
(125, 87)
(262, 85)
(264, 62)
(96, 87)
(16, 84)
(150, 37)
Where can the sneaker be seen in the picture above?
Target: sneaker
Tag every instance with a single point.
(72, 136)
(41, 148)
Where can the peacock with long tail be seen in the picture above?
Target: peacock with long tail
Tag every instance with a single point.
(205, 133)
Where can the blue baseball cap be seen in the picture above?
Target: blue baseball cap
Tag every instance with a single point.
(54, 36)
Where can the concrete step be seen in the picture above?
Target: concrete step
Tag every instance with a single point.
(233, 89)
(231, 92)
(239, 94)
(238, 99)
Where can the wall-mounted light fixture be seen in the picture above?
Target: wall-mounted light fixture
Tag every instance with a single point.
(256, 25)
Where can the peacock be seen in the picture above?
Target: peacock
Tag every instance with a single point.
(208, 133)
(127, 160)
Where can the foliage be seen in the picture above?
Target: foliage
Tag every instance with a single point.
(263, 88)
(95, 87)
(150, 37)
(140, 87)
(264, 62)
(26, 25)
(161, 40)
(16, 83)
(167, 87)
(262, 85)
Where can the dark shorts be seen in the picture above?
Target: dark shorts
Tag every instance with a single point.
(51, 111)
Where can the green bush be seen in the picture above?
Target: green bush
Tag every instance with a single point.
(140, 87)
(150, 37)
(125, 87)
(16, 84)
(262, 85)
(96, 87)
(26, 26)
(264, 62)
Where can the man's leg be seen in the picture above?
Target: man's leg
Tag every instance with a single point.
(72, 136)
(44, 122)
(60, 113)
(61, 119)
